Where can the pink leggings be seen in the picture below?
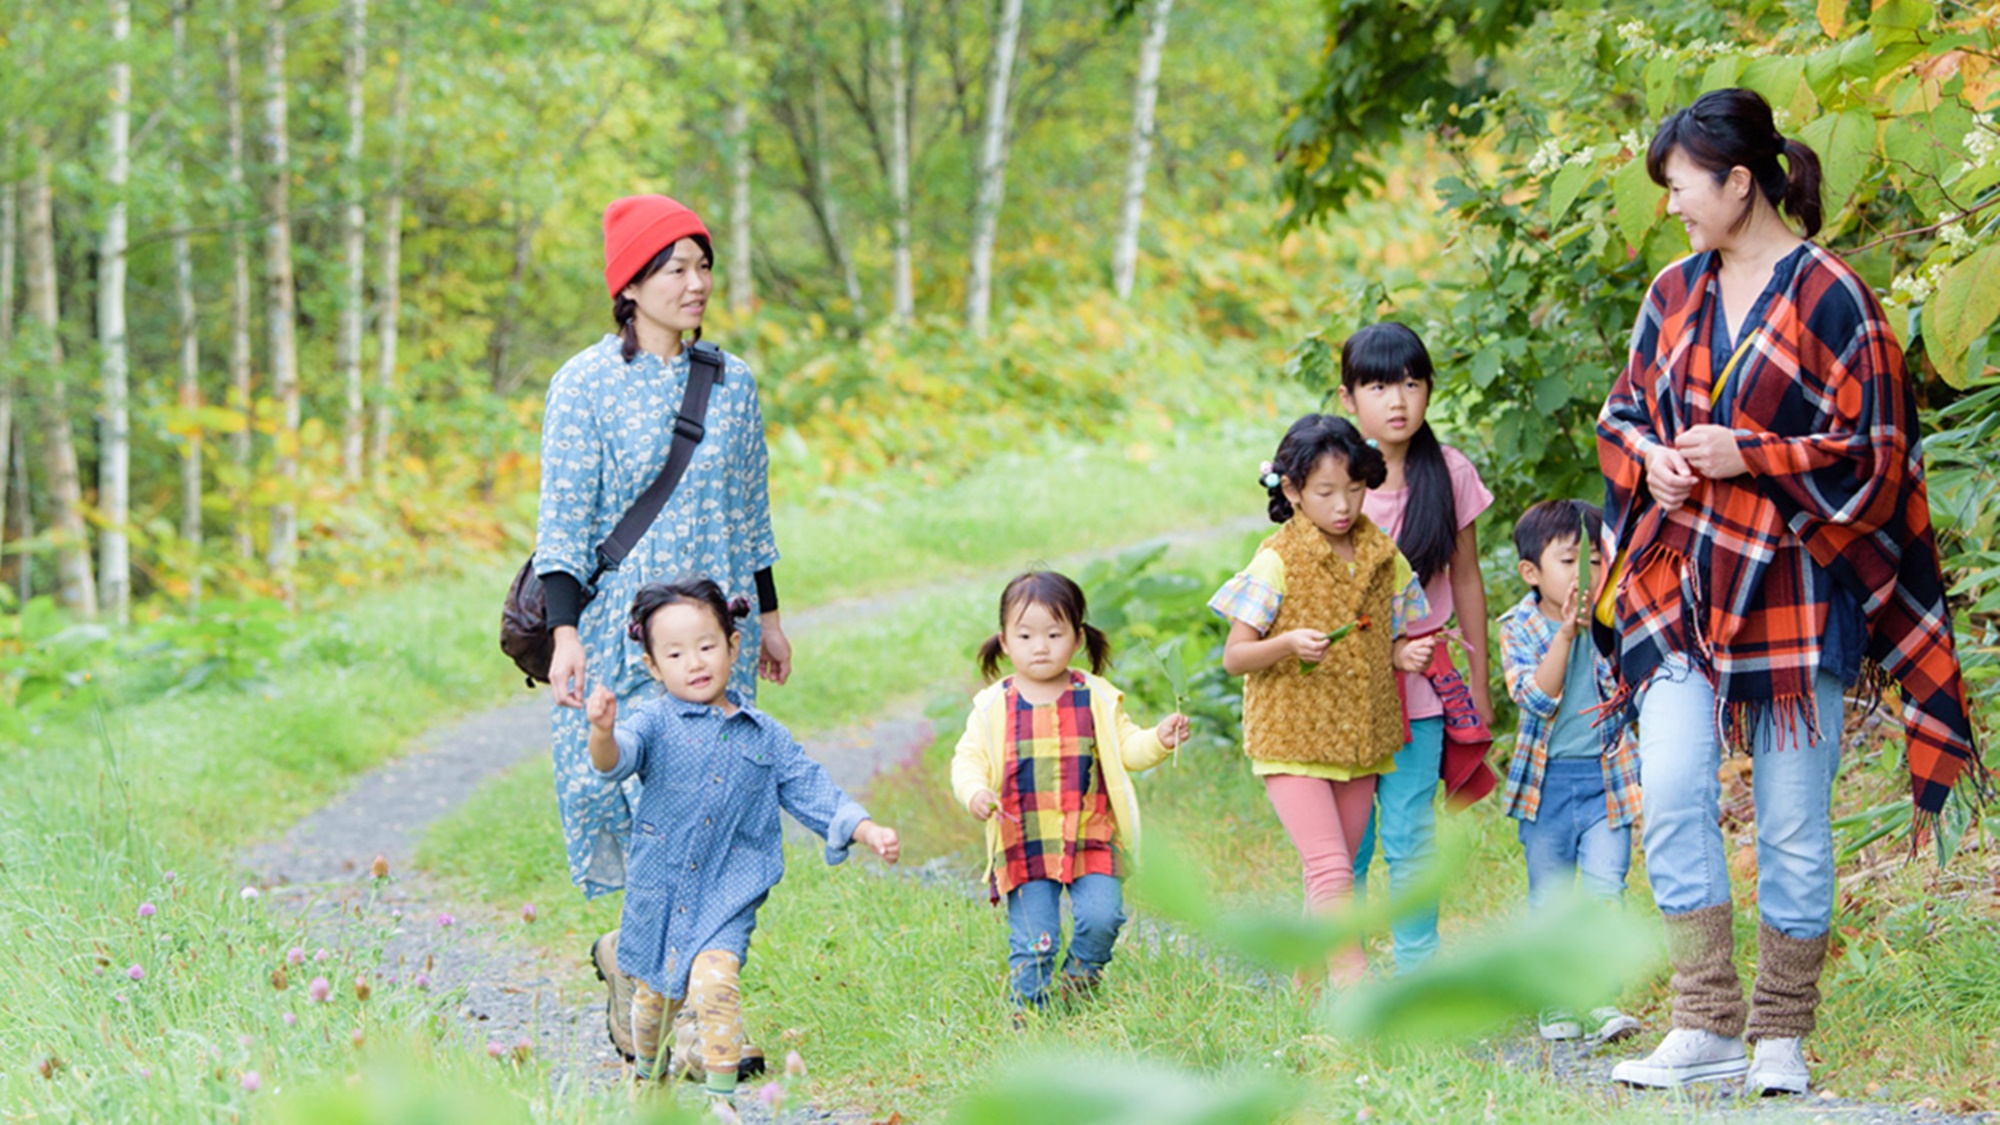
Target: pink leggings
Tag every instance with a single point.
(1325, 820)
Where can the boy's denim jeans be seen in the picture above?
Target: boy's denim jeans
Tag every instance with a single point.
(1572, 834)
(1406, 819)
(1034, 921)
(1686, 859)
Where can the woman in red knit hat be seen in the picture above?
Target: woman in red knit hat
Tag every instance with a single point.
(606, 433)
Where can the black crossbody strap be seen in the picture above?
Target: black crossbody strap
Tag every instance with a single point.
(704, 372)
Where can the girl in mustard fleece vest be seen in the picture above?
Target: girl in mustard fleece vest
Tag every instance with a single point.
(1316, 628)
(1044, 763)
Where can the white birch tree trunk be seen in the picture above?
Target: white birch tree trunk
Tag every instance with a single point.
(281, 552)
(1145, 96)
(829, 207)
(389, 284)
(737, 145)
(353, 235)
(184, 317)
(903, 303)
(992, 169)
(114, 452)
(9, 195)
(78, 589)
(241, 442)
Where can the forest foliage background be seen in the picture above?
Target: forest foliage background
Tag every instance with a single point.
(281, 280)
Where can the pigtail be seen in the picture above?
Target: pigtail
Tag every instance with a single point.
(989, 658)
(1097, 646)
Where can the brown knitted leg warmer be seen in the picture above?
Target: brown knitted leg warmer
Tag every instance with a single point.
(1708, 995)
(1787, 990)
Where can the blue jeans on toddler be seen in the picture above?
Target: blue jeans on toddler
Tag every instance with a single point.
(1034, 921)
(1791, 780)
(1406, 818)
(1572, 834)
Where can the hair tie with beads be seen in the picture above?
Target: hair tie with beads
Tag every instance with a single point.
(636, 631)
(1267, 475)
(739, 606)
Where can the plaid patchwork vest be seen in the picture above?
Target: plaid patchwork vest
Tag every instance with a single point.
(1344, 711)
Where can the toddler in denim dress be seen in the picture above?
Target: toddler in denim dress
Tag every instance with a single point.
(1573, 783)
(706, 843)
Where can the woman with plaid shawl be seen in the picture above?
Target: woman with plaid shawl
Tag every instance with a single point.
(1765, 484)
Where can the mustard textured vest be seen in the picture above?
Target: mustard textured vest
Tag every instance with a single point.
(1345, 711)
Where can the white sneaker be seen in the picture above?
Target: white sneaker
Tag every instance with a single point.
(1556, 1024)
(1779, 1068)
(1613, 1025)
(1685, 1055)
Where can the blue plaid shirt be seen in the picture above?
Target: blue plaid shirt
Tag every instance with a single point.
(1525, 636)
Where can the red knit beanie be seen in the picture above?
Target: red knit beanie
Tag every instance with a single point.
(638, 227)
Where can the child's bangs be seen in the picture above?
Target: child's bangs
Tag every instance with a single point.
(1058, 595)
(1383, 353)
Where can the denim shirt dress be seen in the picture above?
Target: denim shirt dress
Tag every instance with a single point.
(707, 846)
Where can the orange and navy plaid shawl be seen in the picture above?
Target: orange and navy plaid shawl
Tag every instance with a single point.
(1827, 423)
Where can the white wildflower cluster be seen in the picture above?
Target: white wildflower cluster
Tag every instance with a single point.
(1547, 158)
(1581, 156)
(1982, 142)
(1952, 232)
(1638, 39)
(1633, 142)
(1703, 49)
(1918, 288)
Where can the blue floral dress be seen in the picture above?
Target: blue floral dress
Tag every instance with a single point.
(605, 435)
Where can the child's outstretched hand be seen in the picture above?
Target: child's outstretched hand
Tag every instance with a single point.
(983, 805)
(602, 708)
(880, 839)
(1173, 730)
(1415, 656)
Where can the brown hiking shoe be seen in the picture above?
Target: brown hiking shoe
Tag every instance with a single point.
(618, 1007)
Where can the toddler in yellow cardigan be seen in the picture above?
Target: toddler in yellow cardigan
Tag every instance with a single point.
(1316, 628)
(1044, 762)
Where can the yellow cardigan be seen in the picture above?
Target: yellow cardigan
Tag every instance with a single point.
(1122, 745)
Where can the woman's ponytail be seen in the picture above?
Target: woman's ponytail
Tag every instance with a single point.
(1802, 186)
(989, 658)
(625, 310)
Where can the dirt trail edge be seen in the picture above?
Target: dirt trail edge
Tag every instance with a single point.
(510, 994)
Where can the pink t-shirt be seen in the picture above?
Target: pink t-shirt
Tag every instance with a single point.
(1385, 506)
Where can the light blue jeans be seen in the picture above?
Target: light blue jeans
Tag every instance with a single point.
(1034, 923)
(1406, 818)
(1679, 752)
(1572, 835)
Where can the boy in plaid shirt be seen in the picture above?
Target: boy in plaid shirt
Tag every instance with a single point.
(1573, 784)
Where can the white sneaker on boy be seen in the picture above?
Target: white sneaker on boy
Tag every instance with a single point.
(1779, 1068)
(1685, 1055)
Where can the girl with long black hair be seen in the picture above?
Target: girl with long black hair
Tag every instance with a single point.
(1427, 504)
